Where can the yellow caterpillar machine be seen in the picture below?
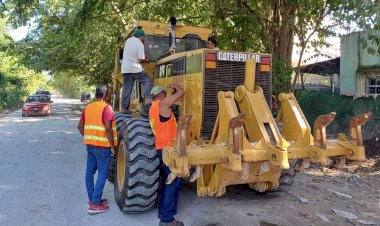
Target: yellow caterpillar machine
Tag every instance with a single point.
(226, 132)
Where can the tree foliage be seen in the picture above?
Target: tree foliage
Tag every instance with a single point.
(69, 85)
(16, 81)
(79, 37)
(314, 104)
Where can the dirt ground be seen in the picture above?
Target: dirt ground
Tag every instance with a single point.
(42, 169)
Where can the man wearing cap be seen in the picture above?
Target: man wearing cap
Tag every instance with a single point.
(164, 127)
(132, 70)
(98, 128)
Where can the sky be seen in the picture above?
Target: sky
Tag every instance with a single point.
(19, 33)
(333, 51)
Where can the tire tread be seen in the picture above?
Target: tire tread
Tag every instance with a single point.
(142, 174)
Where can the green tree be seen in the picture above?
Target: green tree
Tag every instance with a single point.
(16, 81)
(81, 36)
(69, 85)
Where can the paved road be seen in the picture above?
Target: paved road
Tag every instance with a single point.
(42, 165)
(42, 169)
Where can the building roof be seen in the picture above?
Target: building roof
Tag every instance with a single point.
(328, 67)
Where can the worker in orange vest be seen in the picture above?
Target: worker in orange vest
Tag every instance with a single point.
(98, 128)
(164, 127)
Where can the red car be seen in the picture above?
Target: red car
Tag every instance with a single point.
(37, 105)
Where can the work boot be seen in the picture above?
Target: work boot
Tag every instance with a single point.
(102, 202)
(144, 112)
(94, 209)
(172, 223)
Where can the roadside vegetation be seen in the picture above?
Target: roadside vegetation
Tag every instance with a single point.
(315, 103)
(16, 80)
(70, 86)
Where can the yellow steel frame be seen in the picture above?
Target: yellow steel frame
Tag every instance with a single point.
(230, 157)
(317, 148)
(256, 153)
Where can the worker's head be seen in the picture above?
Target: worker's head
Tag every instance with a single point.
(139, 33)
(158, 93)
(101, 92)
(211, 43)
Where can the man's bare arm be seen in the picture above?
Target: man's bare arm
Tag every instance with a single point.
(146, 60)
(81, 127)
(166, 103)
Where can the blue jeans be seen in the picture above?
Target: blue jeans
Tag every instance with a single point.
(97, 159)
(129, 82)
(169, 194)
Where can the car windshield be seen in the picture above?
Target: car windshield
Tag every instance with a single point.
(43, 92)
(41, 99)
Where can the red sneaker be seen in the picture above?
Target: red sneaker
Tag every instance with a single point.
(94, 209)
(102, 202)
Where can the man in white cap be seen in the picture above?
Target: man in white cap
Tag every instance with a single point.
(164, 127)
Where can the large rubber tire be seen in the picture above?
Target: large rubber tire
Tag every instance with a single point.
(111, 170)
(137, 167)
(119, 118)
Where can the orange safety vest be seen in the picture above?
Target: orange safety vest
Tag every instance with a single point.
(94, 129)
(164, 132)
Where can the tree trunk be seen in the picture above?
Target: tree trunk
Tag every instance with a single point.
(282, 34)
(296, 76)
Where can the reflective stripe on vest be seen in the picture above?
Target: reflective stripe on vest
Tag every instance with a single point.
(101, 128)
(89, 137)
(94, 129)
(164, 132)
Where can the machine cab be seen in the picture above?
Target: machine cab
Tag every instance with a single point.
(158, 43)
